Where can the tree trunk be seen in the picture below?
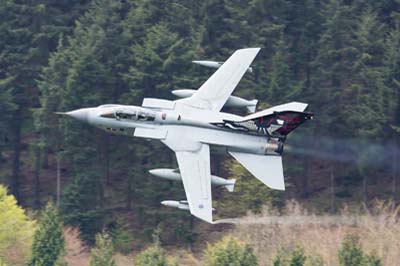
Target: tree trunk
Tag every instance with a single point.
(15, 177)
(365, 191)
(333, 204)
(45, 157)
(107, 157)
(58, 189)
(129, 193)
(36, 181)
(395, 168)
(306, 186)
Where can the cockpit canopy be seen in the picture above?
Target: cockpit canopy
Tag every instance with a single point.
(130, 113)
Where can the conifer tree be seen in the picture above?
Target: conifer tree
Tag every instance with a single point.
(351, 254)
(85, 71)
(48, 242)
(29, 33)
(153, 256)
(102, 252)
(372, 260)
(80, 206)
(230, 250)
(297, 258)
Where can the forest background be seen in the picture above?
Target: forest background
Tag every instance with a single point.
(340, 56)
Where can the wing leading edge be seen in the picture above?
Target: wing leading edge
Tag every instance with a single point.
(213, 94)
(196, 176)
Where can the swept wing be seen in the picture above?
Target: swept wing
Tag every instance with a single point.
(194, 165)
(213, 94)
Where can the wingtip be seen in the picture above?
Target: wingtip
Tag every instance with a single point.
(250, 49)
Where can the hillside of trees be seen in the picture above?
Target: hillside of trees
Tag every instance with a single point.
(340, 56)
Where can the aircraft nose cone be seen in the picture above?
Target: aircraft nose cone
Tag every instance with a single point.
(80, 114)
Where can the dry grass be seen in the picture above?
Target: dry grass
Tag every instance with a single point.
(378, 229)
(379, 232)
(77, 254)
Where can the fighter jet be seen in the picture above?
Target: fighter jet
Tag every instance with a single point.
(191, 125)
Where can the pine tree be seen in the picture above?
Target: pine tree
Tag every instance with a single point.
(153, 256)
(102, 253)
(85, 71)
(230, 250)
(280, 259)
(48, 242)
(297, 257)
(372, 260)
(29, 33)
(351, 254)
(282, 86)
(80, 206)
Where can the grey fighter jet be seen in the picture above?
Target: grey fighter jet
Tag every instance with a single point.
(191, 125)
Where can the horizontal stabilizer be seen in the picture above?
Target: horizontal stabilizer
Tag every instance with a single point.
(267, 169)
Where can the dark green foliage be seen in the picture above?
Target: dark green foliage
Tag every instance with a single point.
(80, 206)
(372, 260)
(351, 253)
(280, 259)
(297, 257)
(30, 32)
(122, 238)
(48, 242)
(102, 252)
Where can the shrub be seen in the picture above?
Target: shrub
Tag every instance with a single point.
(122, 238)
(153, 256)
(297, 257)
(230, 251)
(372, 260)
(48, 242)
(351, 253)
(280, 259)
(102, 253)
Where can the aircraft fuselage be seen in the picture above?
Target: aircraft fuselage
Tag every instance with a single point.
(122, 119)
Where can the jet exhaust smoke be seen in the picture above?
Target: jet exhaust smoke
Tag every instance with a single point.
(326, 220)
(353, 151)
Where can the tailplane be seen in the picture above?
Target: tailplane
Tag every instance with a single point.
(267, 169)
